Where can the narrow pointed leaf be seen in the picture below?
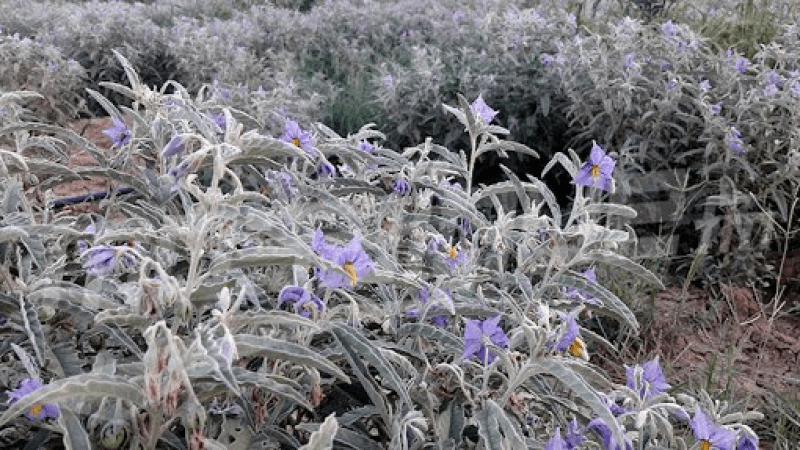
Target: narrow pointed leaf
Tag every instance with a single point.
(248, 345)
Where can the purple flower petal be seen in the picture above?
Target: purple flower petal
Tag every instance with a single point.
(118, 133)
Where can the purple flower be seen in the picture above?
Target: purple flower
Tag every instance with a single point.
(734, 141)
(455, 258)
(590, 275)
(601, 427)
(401, 187)
(556, 442)
(476, 334)
(283, 181)
(481, 109)
(351, 258)
(669, 28)
(630, 61)
(705, 85)
(716, 108)
(304, 301)
(672, 84)
(82, 244)
(570, 341)
(298, 137)
(179, 171)
(652, 379)
(547, 60)
(772, 77)
(101, 260)
(174, 147)
(388, 81)
(615, 409)
(424, 296)
(365, 146)
(325, 169)
(597, 172)
(711, 435)
(38, 411)
(118, 133)
(747, 441)
(741, 64)
(770, 90)
(218, 119)
(574, 436)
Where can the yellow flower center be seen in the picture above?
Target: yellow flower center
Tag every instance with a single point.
(296, 142)
(576, 348)
(595, 171)
(453, 252)
(36, 410)
(351, 271)
(705, 445)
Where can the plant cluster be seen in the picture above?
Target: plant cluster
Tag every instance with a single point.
(237, 290)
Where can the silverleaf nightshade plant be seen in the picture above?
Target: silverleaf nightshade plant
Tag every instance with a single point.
(196, 324)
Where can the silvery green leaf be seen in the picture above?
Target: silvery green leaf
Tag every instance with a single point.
(75, 436)
(67, 357)
(461, 203)
(27, 362)
(33, 243)
(122, 177)
(322, 438)
(130, 72)
(564, 161)
(345, 437)
(209, 292)
(503, 146)
(259, 257)
(396, 278)
(51, 295)
(458, 113)
(65, 133)
(346, 186)
(248, 345)
(611, 209)
(433, 334)
(497, 431)
(612, 305)
(274, 385)
(552, 365)
(457, 421)
(357, 346)
(86, 386)
(275, 318)
(107, 105)
(44, 167)
(123, 318)
(549, 198)
(352, 416)
(14, 162)
(144, 210)
(121, 337)
(489, 430)
(33, 328)
(327, 202)
(619, 262)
